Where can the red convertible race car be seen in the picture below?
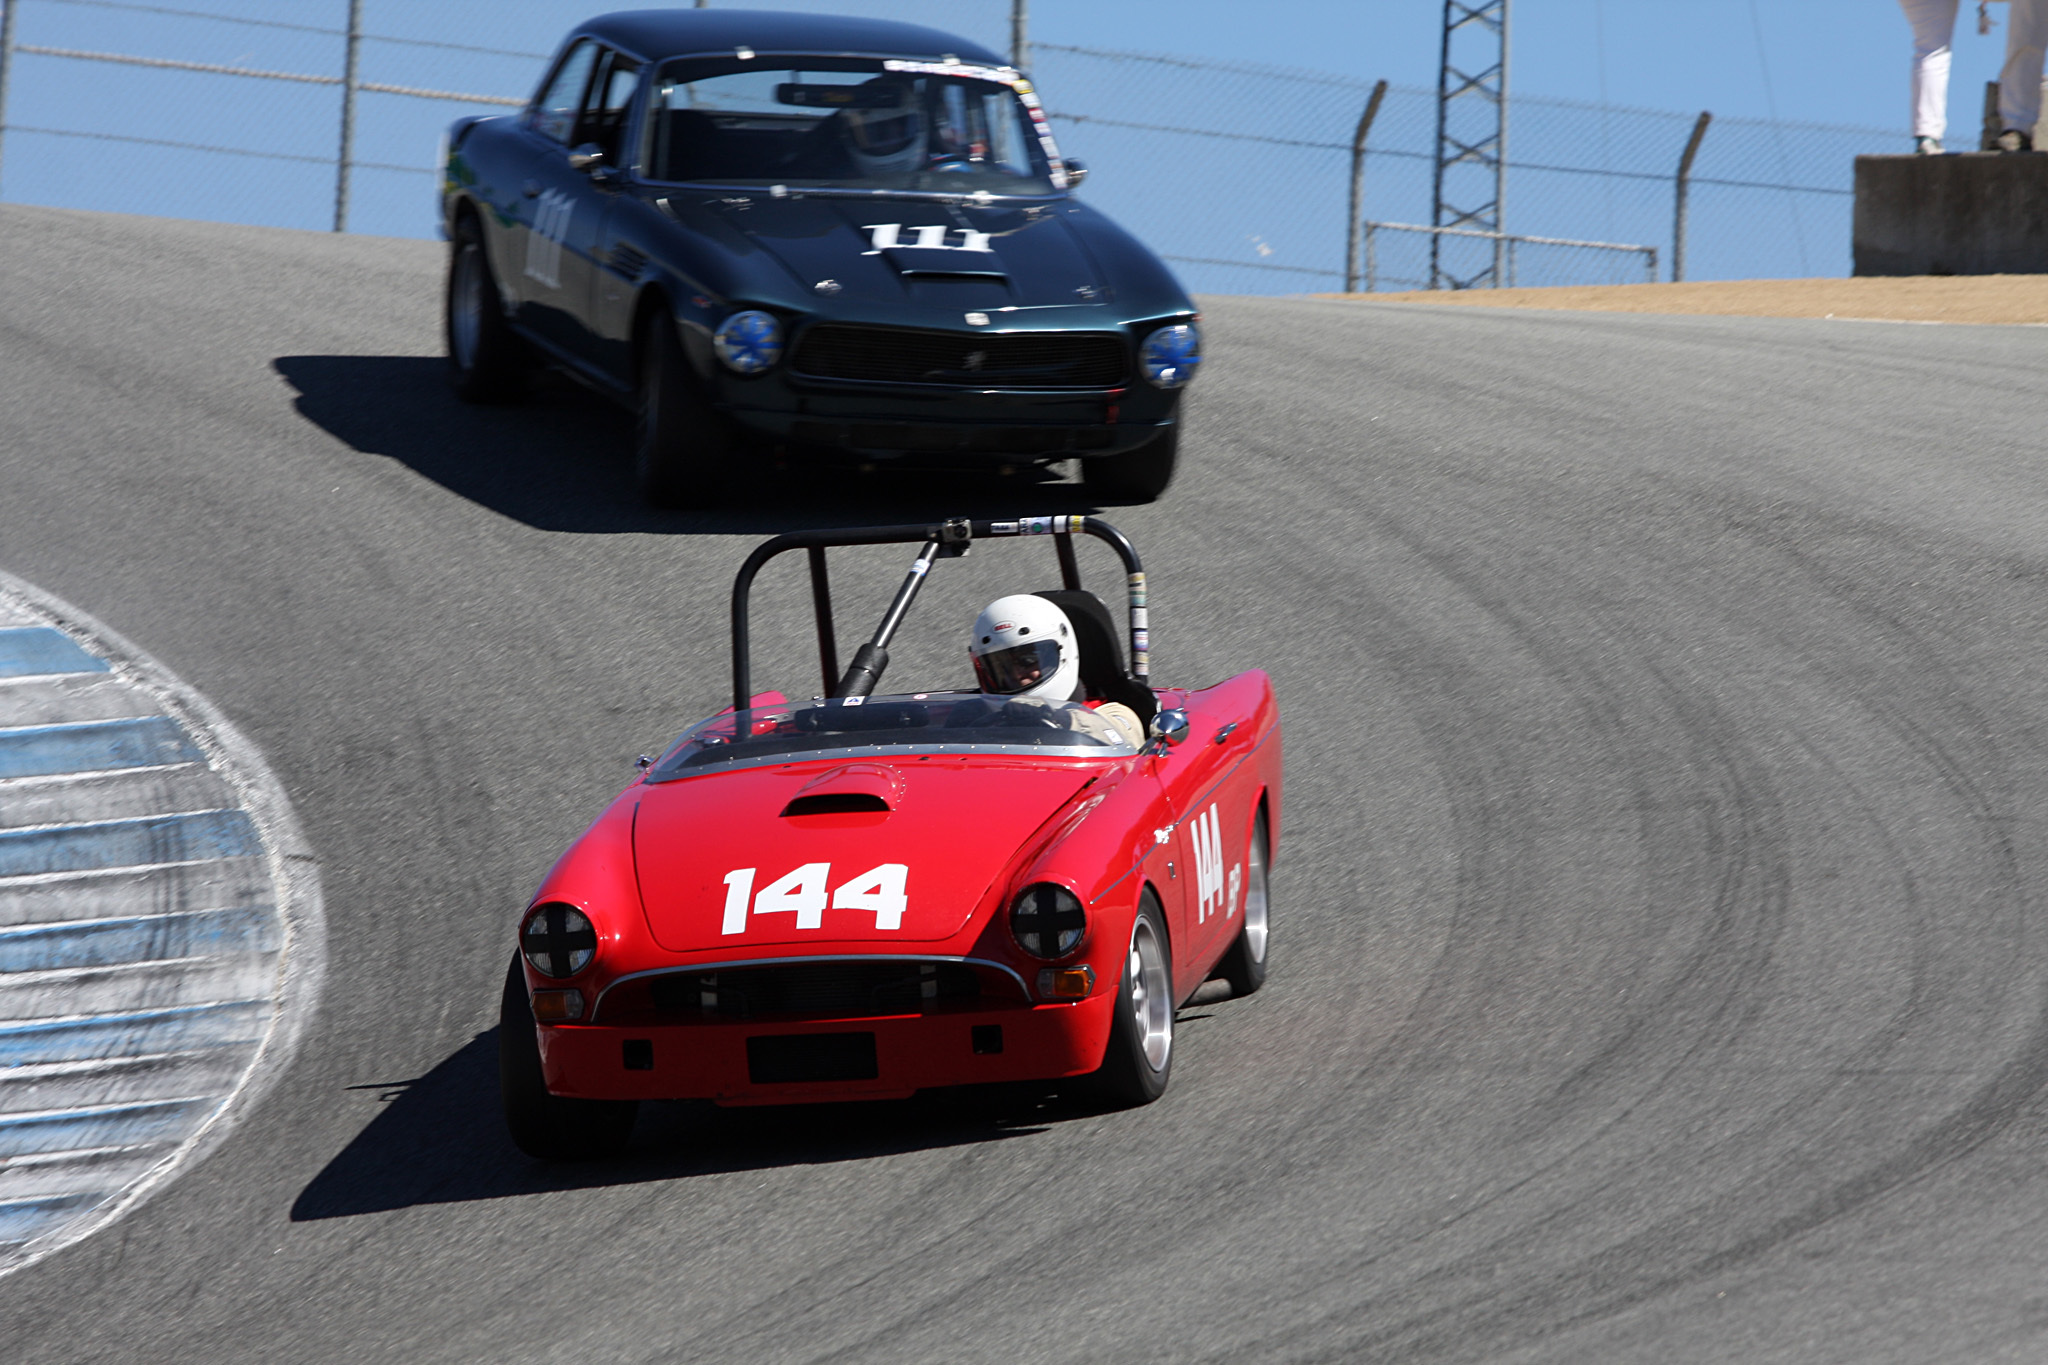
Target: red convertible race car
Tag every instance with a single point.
(865, 895)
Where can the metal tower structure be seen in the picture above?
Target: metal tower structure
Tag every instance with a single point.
(1471, 147)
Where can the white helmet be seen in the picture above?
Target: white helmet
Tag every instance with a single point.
(886, 138)
(1023, 646)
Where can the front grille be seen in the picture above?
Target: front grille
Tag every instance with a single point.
(1023, 360)
(822, 990)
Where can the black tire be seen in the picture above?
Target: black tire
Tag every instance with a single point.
(1139, 475)
(1138, 1062)
(487, 363)
(542, 1125)
(683, 448)
(1244, 966)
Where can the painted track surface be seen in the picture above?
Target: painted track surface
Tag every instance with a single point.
(156, 957)
(1660, 964)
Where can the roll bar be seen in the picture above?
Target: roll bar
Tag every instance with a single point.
(944, 540)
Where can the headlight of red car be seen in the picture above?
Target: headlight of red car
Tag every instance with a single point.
(1047, 920)
(558, 939)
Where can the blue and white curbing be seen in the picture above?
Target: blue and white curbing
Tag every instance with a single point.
(161, 937)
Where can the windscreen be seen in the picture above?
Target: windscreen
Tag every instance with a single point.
(850, 124)
(936, 722)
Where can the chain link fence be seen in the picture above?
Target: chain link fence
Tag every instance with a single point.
(1240, 173)
(233, 110)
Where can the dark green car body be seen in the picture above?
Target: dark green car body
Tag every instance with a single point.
(955, 327)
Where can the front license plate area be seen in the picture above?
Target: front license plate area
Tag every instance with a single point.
(792, 1058)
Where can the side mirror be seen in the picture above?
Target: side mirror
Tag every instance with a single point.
(1170, 727)
(1076, 172)
(587, 157)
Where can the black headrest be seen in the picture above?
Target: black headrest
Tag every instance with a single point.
(1102, 658)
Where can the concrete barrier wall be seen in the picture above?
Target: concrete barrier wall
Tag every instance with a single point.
(1974, 213)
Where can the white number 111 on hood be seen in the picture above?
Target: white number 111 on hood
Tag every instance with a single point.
(878, 890)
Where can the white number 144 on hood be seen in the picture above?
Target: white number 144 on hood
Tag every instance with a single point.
(878, 890)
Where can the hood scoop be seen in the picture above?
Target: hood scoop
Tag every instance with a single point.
(926, 263)
(837, 803)
(857, 788)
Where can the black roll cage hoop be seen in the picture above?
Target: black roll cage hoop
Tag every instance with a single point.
(948, 539)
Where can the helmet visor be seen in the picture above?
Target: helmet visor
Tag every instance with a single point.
(888, 128)
(1010, 671)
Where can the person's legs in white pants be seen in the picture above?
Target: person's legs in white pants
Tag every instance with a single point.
(2019, 82)
(1934, 25)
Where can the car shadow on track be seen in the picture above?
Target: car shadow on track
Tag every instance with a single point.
(438, 1140)
(558, 462)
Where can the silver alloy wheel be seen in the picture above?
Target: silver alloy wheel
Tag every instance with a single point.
(1151, 1009)
(1255, 895)
(465, 311)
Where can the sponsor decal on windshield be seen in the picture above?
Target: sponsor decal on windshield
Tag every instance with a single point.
(1000, 75)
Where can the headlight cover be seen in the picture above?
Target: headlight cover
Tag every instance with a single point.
(558, 939)
(1047, 921)
(748, 342)
(1170, 356)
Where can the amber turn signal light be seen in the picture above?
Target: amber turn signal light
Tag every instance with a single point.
(555, 1007)
(1066, 983)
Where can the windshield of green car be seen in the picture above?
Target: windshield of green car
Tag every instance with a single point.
(863, 125)
(924, 723)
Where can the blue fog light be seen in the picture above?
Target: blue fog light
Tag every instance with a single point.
(1170, 356)
(748, 342)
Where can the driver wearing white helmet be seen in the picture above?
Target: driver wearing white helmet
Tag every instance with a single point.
(886, 137)
(1023, 646)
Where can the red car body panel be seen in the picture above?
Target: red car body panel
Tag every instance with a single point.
(954, 822)
(656, 872)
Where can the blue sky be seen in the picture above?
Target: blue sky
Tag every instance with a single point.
(1821, 61)
(1808, 61)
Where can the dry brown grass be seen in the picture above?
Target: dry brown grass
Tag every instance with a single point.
(1920, 298)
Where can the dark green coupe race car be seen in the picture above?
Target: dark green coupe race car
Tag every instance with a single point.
(840, 236)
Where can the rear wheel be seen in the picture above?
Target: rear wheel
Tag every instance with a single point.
(543, 1125)
(1139, 475)
(1244, 966)
(486, 362)
(682, 447)
(1139, 1059)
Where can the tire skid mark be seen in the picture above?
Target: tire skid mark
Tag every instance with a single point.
(1469, 1313)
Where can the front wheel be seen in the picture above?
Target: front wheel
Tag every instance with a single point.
(1244, 966)
(682, 447)
(543, 1125)
(486, 361)
(1139, 1059)
(1139, 475)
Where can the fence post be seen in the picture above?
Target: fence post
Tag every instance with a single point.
(1372, 260)
(1372, 109)
(6, 59)
(1020, 46)
(1500, 167)
(348, 115)
(1692, 148)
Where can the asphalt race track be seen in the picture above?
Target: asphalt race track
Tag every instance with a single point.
(1661, 969)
